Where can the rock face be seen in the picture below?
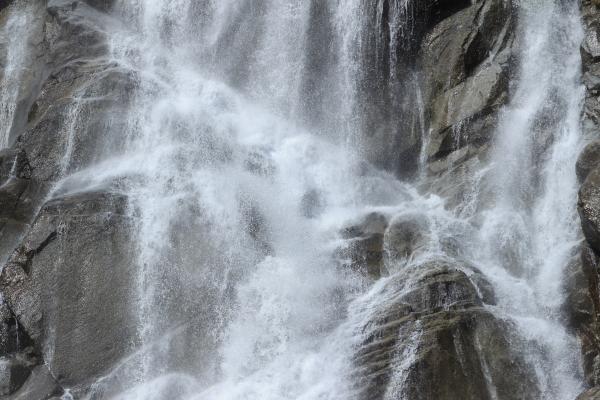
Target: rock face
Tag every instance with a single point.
(588, 160)
(72, 252)
(592, 394)
(437, 318)
(464, 94)
(589, 208)
(74, 257)
(67, 254)
(364, 248)
(583, 286)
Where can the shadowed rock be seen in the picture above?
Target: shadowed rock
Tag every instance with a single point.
(434, 340)
(75, 257)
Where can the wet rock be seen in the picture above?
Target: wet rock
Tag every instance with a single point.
(583, 300)
(434, 317)
(588, 160)
(463, 94)
(41, 385)
(13, 374)
(75, 256)
(18, 356)
(589, 209)
(364, 249)
(103, 5)
(591, 66)
(583, 310)
(592, 394)
(17, 197)
(406, 235)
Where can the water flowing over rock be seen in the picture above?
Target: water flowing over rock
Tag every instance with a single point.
(298, 199)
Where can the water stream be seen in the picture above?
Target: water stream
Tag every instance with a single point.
(251, 166)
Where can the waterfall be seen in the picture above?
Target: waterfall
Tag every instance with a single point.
(243, 142)
(266, 141)
(14, 39)
(531, 232)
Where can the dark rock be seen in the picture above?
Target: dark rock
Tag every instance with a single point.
(104, 5)
(364, 248)
(13, 374)
(5, 3)
(17, 197)
(17, 353)
(583, 310)
(464, 93)
(434, 318)
(592, 394)
(406, 235)
(588, 160)
(589, 209)
(75, 256)
(40, 385)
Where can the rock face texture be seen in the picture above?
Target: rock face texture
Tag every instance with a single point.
(585, 293)
(584, 299)
(437, 319)
(68, 256)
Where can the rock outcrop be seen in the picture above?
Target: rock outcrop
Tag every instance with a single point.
(434, 339)
(69, 253)
(583, 283)
(464, 94)
(75, 257)
(72, 252)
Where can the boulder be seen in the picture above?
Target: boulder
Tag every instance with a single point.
(406, 235)
(434, 339)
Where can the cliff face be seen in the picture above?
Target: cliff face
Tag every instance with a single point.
(585, 273)
(433, 103)
(71, 252)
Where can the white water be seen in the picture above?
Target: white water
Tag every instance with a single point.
(238, 293)
(14, 38)
(530, 234)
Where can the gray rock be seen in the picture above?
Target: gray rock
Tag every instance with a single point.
(464, 93)
(13, 374)
(589, 209)
(435, 317)
(582, 308)
(406, 235)
(364, 249)
(592, 394)
(41, 385)
(588, 160)
(76, 256)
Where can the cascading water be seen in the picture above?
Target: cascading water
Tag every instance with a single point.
(530, 233)
(14, 37)
(249, 151)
